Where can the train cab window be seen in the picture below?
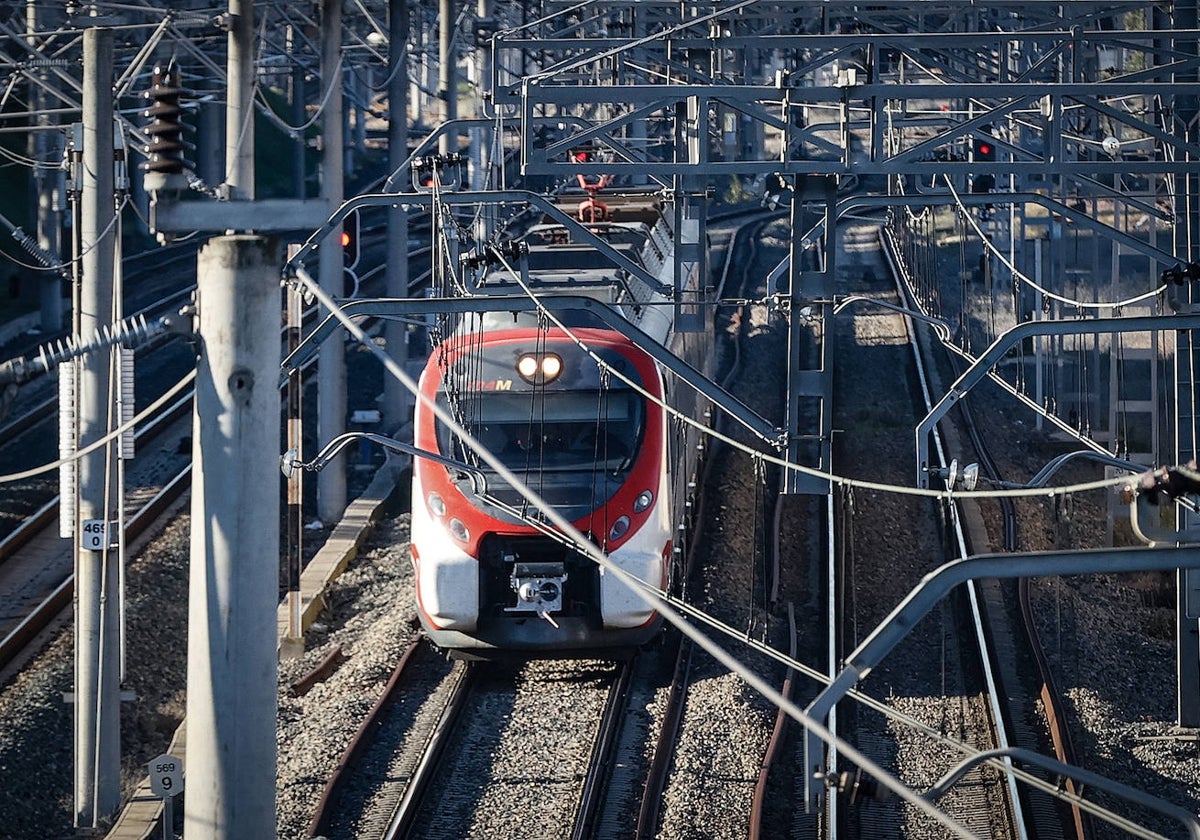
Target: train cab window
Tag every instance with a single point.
(566, 431)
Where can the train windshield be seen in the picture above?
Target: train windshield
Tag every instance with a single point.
(550, 431)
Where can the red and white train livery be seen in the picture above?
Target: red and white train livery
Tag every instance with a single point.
(490, 574)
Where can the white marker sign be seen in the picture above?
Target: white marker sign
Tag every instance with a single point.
(93, 535)
(166, 776)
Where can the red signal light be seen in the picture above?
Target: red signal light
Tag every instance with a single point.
(349, 240)
(985, 149)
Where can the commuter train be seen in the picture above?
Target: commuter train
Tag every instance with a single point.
(491, 576)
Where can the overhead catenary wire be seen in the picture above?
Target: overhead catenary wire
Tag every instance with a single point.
(146, 412)
(1017, 273)
(770, 458)
(665, 608)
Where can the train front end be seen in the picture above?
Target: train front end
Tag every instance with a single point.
(492, 574)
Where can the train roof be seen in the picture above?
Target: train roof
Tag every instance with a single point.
(625, 205)
(552, 233)
(601, 283)
(603, 286)
(557, 263)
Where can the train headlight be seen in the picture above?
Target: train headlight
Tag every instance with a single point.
(539, 369)
(437, 505)
(551, 367)
(619, 528)
(643, 501)
(459, 530)
(527, 366)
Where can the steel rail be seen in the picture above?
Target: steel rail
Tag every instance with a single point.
(601, 765)
(1052, 701)
(650, 811)
(323, 816)
(409, 808)
(775, 746)
(664, 746)
(900, 276)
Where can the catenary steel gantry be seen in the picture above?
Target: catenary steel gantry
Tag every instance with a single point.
(1073, 99)
(1064, 94)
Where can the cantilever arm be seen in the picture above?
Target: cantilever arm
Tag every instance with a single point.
(290, 460)
(942, 327)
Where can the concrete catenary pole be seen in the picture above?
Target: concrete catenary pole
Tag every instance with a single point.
(485, 26)
(481, 147)
(239, 120)
(447, 73)
(210, 139)
(1187, 232)
(396, 400)
(331, 364)
(231, 681)
(97, 651)
(45, 148)
(299, 114)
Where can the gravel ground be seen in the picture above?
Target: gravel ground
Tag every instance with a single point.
(726, 726)
(370, 617)
(36, 755)
(1111, 638)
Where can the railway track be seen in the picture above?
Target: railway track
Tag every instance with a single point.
(730, 575)
(937, 682)
(1024, 673)
(422, 765)
(1044, 816)
(36, 565)
(375, 775)
(981, 804)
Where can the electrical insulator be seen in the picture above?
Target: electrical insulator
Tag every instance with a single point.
(66, 449)
(441, 171)
(164, 154)
(1174, 275)
(125, 444)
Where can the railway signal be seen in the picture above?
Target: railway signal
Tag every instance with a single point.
(350, 244)
(984, 148)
